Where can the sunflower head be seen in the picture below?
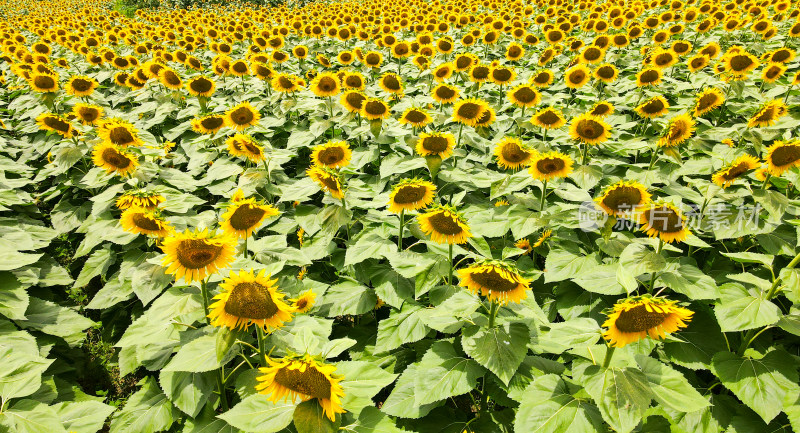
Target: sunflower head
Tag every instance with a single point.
(194, 255)
(353, 100)
(708, 100)
(607, 73)
(244, 146)
(664, 221)
(512, 154)
(250, 299)
(768, 114)
(114, 159)
(55, 123)
(602, 109)
(634, 319)
(445, 93)
(201, 86)
(375, 109)
(444, 225)
(589, 129)
(497, 281)
(144, 221)
(81, 85)
(469, 111)
(782, 156)
(286, 83)
(242, 116)
(326, 84)
(43, 82)
(649, 77)
(679, 129)
(391, 83)
(623, 197)
(415, 116)
(550, 165)
(210, 124)
(542, 79)
(439, 144)
(305, 301)
(577, 76)
(143, 199)
(524, 95)
(548, 118)
(411, 194)
(87, 113)
(741, 165)
(654, 107)
(245, 216)
(333, 154)
(327, 179)
(119, 133)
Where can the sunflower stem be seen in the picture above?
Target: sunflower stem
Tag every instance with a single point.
(460, 129)
(223, 398)
(650, 287)
(244, 250)
(493, 314)
(450, 256)
(653, 159)
(766, 182)
(544, 195)
(204, 291)
(789, 90)
(262, 346)
(402, 223)
(609, 354)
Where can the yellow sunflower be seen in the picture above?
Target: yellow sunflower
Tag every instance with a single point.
(55, 123)
(245, 146)
(170, 79)
(708, 100)
(606, 73)
(114, 159)
(242, 116)
(286, 83)
(208, 125)
(524, 95)
(391, 83)
(194, 255)
(550, 165)
(497, 281)
(144, 221)
(741, 165)
(623, 197)
(542, 79)
(304, 377)
(648, 77)
(782, 156)
(81, 85)
(634, 319)
(679, 129)
(444, 225)
(119, 133)
(664, 221)
(243, 217)
(333, 154)
(654, 107)
(589, 129)
(512, 154)
(602, 109)
(250, 299)
(43, 82)
(411, 194)
(201, 86)
(773, 72)
(469, 111)
(444, 93)
(353, 100)
(440, 144)
(375, 109)
(141, 199)
(577, 76)
(327, 179)
(768, 114)
(326, 84)
(87, 113)
(305, 301)
(548, 118)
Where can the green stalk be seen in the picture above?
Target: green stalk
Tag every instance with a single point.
(262, 346)
(609, 354)
(650, 287)
(493, 313)
(402, 223)
(544, 194)
(450, 256)
(223, 398)
(204, 291)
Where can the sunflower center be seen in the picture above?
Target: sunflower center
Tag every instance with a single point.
(409, 194)
(81, 85)
(56, 123)
(494, 281)
(391, 82)
(525, 95)
(780, 56)
(501, 75)
(172, 78)
(445, 224)
(513, 153)
(197, 253)
(145, 222)
(116, 159)
(239, 67)
(663, 59)
(212, 123)
(331, 155)
(442, 72)
(285, 83)
(201, 85)
(623, 198)
(590, 129)
(355, 99)
(415, 116)
(242, 116)
(480, 72)
(445, 92)
(542, 78)
(372, 59)
(653, 106)
(88, 114)
(353, 81)
(469, 110)
(120, 136)
(550, 165)
(309, 382)
(735, 171)
(329, 182)
(664, 219)
(638, 319)
(375, 108)
(706, 101)
(601, 109)
(698, 62)
(251, 300)
(740, 62)
(785, 154)
(44, 82)
(435, 144)
(649, 76)
(327, 84)
(548, 117)
(773, 72)
(591, 53)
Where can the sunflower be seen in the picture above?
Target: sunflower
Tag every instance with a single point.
(391, 83)
(208, 125)
(245, 146)
(286, 83)
(417, 117)
(511, 153)
(782, 156)
(524, 95)
(305, 377)
(141, 199)
(305, 301)
(121, 79)
(374, 109)
(514, 52)
(300, 51)
(440, 144)
(524, 244)
(546, 234)
(502, 75)
(741, 165)
(87, 113)
(602, 109)
(635, 318)
(143, 221)
(242, 116)
(55, 123)
(548, 118)
(333, 154)
(353, 100)
(353, 80)
(444, 225)
(250, 299)
(698, 62)
(542, 79)
(243, 217)
(680, 128)
(170, 79)
(606, 73)
(443, 72)
(768, 114)
(479, 73)
(664, 221)
(43, 82)
(200, 86)
(497, 281)
(326, 84)
(550, 165)
(623, 197)
(327, 179)
(194, 255)
(739, 64)
(81, 85)
(648, 77)
(708, 100)
(444, 93)
(577, 76)
(656, 106)
(487, 117)
(773, 72)
(373, 59)
(114, 159)
(589, 129)
(411, 194)
(469, 111)
(119, 133)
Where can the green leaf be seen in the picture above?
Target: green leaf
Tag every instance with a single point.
(698, 342)
(669, 387)
(739, 308)
(187, 391)
(765, 259)
(442, 374)
(257, 414)
(790, 323)
(574, 333)
(147, 411)
(760, 383)
(28, 416)
(562, 265)
(548, 406)
(53, 319)
(500, 349)
(348, 297)
(97, 264)
(309, 417)
(369, 246)
(83, 416)
(405, 326)
(690, 281)
(402, 402)
(638, 259)
(197, 356)
(622, 395)
(371, 420)
(13, 297)
(362, 380)
(10, 259)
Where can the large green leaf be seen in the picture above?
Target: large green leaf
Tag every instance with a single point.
(257, 414)
(622, 395)
(187, 391)
(402, 400)
(83, 416)
(362, 380)
(548, 406)
(670, 388)
(741, 309)
(501, 349)
(147, 411)
(309, 417)
(442, 373)
(405, 326)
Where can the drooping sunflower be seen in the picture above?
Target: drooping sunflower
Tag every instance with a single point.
(741, 165)
(415, 116)
(201, 86)
(326, 84)
(548, 118)
(250, 299)
(43, 82)
(602, 109)
(143, 221)
(698, 62)
(664, 221)
(469, 111)
(119, 133)
(333, 154)
(374, 109)
(679, 129)
(87, 113)
(512, 154)
(768, 114)
(242, 116)
(353, 100)
(243, 217)
(635, 318)
(524, 95)
(192, 255)
(782, 156)
(210, 124)
(577, 76)
(546, 234)
(81, 85)
(440, 144)
(550, 165)
(442, 72)
(444, 225)
(411, 194)
(708, 100)
(648, 77)
(305, 377)
(114, 159)
(55, 123)
(245, 146)
(327, 179)
(139, 198)
(654, 107)
(623, 197)
(305, 301)
(589, 129)
(497, 281)
(444, 93)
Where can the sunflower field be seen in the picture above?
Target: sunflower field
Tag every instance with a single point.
(397, 216)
